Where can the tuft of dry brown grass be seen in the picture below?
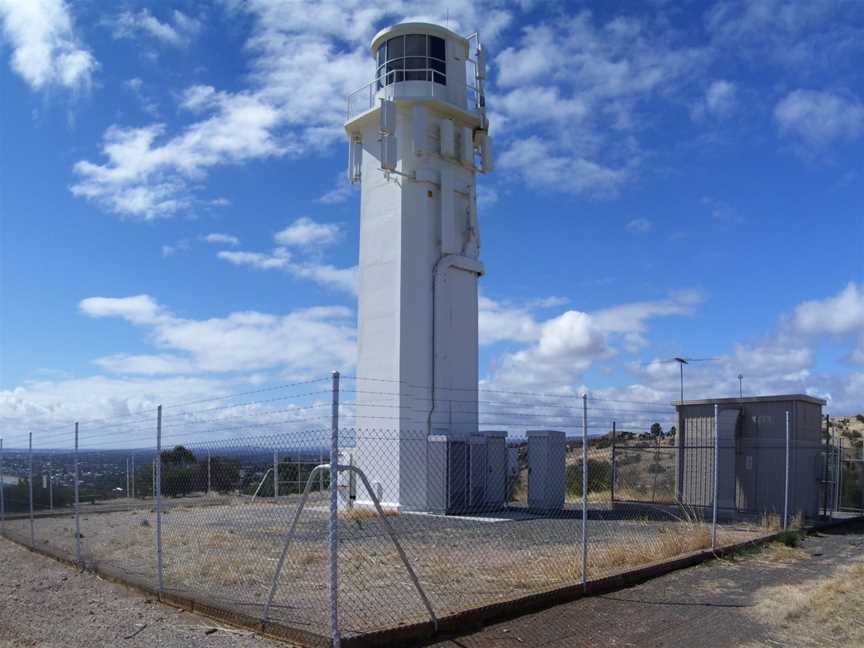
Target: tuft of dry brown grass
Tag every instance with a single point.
(777, 552)
(669, 541)
(361, 513)
(815, 610)
(773, 522)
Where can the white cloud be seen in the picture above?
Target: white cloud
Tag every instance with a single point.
(123, 363)
(147, 177)
(175, 248)
(306, 340)
(536, 160)
(581, 82)
(305, 232)
(304, 60)
(221, 239)
(819, 118)
(307, 237)
(280, 258)
(503, 322)
(486, 195)
(178, 30)
(841, 314)
(801, 36)
(49, 402)
(640, 226)
(720, 101)
(140, 309)
(564, 346)
(46, 50)
(341, 192)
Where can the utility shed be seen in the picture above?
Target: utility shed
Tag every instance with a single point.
(751, 454)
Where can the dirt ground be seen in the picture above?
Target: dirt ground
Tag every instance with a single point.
(773, 597)
(225, 554)
(47, 604)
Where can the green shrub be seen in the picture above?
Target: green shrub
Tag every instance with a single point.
(599, 477)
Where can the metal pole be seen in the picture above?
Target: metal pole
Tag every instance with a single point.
(276, 475)
(584, 490)
(77, 505)
(385, 523)
(32, 531)
(2, 500)
(128, 492)
(825, 468)
(133, 476)
(334, 515)
(716, 473)
(208, 471)
(612, 484)
(836, 506)
(681, 367)
(50, 489)
(786, 486)
(159, 498)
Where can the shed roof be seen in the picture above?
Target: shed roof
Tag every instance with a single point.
(753, 399)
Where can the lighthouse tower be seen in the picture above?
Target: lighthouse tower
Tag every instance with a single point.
(418, 137)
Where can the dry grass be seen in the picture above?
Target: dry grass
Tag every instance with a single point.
(228, 553)
(361, 513)
(670, 541)
(818, 612)
(777, 552)
(773, 522)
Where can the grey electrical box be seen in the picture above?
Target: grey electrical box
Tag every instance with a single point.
(496, 468)
(546, 471)
(477, 462)
(448, 474)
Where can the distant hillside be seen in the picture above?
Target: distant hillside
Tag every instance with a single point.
(849, 427)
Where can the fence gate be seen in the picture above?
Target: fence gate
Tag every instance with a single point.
(851, 491)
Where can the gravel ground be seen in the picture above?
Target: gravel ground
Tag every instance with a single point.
(44, 603)
(225, 554)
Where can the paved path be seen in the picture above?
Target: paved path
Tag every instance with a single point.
(709, 606)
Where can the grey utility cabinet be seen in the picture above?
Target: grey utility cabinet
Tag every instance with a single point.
(546, 471)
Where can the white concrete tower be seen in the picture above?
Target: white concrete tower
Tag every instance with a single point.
(418, 137)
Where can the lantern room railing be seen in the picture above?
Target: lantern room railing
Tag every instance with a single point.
(382, 87)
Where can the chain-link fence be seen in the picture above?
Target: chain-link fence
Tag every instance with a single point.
(437, 503)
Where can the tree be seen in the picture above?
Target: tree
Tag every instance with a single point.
(179, 456)
(656, 430)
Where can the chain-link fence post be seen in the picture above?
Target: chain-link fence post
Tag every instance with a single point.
(786, 485)
(612, 481)
(77, 505)
(275, 475)
(30, 488)
(133, 475)
(209, 482)
(334, 515)
(584, 490)
(838, 451)
(159, 498)
(50, 488)
(2, 495)
(716, 474)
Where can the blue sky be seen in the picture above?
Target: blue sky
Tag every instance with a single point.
(672, 179)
